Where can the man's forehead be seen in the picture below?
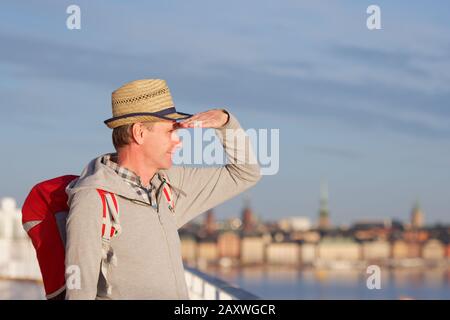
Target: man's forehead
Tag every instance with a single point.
(168, 123)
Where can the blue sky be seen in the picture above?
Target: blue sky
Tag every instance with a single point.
(368, 111)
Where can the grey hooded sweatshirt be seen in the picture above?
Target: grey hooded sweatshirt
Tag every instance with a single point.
(144, 259)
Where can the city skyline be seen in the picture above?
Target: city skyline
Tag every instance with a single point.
(416, 216)
(247, 205)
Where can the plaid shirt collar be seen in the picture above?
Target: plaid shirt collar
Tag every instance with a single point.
(147, 193)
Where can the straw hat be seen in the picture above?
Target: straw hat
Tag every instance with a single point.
(143, 100)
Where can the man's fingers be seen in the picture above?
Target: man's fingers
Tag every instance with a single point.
(207, 119)
(195, 116)
(202, 123)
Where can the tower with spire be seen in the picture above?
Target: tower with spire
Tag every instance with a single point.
(248, 219)
(324, 218)
(210, 226)
(417, 217)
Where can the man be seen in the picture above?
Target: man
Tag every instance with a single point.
(149, 199)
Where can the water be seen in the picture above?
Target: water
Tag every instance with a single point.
(21, 290)
(291, 283)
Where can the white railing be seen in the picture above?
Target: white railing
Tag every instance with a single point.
(202, 286)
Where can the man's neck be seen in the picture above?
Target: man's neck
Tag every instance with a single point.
(132, 161)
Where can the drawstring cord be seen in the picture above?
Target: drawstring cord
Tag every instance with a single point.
(163, 178)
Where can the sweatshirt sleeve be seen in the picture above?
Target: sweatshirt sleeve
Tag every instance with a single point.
(207, 187)
(84, 245)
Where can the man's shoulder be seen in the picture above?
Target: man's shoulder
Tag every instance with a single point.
(174, 174)
(86, 197)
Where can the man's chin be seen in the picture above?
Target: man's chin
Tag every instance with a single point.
(167, 164)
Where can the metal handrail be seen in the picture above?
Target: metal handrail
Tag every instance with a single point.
(207, 287)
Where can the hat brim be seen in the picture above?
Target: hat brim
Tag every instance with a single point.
(143, 117)
(177, 116)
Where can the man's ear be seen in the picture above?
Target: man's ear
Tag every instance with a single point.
(137, 132)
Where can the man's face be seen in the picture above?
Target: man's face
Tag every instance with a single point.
(160, 142)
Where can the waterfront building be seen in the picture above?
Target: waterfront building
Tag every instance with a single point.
(433, 249)
(252, 249)
(399, 249)
(229, 245)
(188, 247)
(308, 253)
(447, 251)
(375, 250)
(283, 253)
(338, 248)
(414, 250)
(207, 250)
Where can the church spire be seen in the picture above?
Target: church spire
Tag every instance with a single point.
(248, 219)
(324, 219)
(417, 217)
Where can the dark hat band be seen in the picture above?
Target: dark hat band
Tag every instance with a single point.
(160, 114)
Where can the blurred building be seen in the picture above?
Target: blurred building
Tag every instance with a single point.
(415, 235)
(414, 250)
(283, 253)
(210, 226)
(252, 249)
(248, 218)
(399, 249)
(376, 250)
(308, 253)
(229, 245)
(447, 250)
(207, 251)
(305, 236)
(338, 248)
(369, 230)
(433, 249)
(17, 255)
(11, 220)
(295, 224)
(278, 236)
(188, 247)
